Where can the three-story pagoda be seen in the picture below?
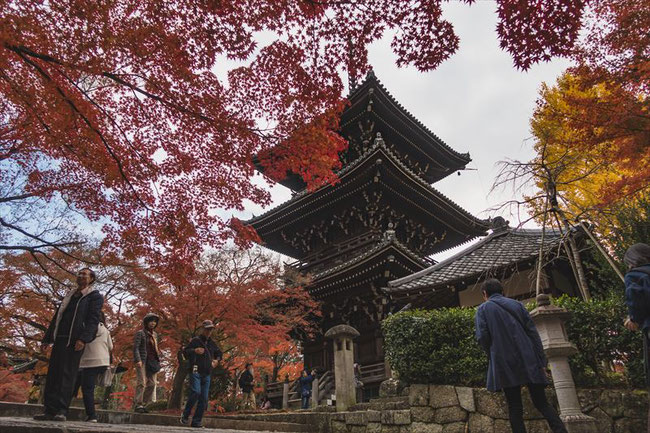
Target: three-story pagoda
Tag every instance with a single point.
(380, 222)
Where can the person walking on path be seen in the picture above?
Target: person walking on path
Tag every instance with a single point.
(73, 326)
(246, 385)
(95, 360)
(147, 362)
(637, 298)
(506, 332)
(203, 355)
(305, 382)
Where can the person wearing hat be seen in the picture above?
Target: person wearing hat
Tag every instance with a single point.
(637, 298)
(147, 362)
(203, 355)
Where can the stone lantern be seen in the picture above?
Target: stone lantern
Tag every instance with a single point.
(343, 364)
(549, 320)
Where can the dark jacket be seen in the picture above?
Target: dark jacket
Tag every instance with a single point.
(305, 384)
(508, 335)
(637, 295)
(246, 381)
(203, 361)
(84, 322)
(140, 341)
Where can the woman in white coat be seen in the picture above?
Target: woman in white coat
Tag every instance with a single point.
(94, 362)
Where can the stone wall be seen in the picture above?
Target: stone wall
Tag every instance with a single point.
(449, 409)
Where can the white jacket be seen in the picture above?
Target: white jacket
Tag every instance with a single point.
(97, 353)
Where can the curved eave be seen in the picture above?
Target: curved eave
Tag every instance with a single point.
(292, 181)
(366, 263)
(304, 197)
(435, 146)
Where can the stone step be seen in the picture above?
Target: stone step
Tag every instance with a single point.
(385, 403)
(26, 425)
(318, 421)
(17, 410)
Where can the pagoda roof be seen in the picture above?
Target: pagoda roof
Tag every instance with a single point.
(435, 208)
(371, 100)
(364, 266)
(501, 249)
(398, 125)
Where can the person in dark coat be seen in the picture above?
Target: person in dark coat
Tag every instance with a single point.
(246, 384)
(146, 357)
(305, 382)
(637, 297)
(73, 326)
(203, 355)
(508, 335)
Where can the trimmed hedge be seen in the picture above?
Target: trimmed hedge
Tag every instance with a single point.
(609, 355)
(435, 347)
(438, 346)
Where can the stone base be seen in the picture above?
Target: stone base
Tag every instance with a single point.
(580, 423)
(391, 388)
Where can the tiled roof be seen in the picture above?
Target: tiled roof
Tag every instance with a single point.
(387, 241)
(501, 248)
(372, 80)
(377, 145)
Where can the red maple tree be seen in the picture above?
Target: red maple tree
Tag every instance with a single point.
(244, 293)
(116, 109)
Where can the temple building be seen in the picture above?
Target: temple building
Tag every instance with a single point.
(508, 254)
(366, 241)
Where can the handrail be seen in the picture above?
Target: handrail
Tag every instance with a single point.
(373, 372)
(275, 390)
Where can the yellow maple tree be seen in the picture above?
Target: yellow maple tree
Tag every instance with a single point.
(579, 176)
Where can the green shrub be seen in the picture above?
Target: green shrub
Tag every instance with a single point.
(609, 354)
(438, 346)
(435, 347)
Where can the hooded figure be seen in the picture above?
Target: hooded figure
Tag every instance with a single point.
(637, 298)
(637, 285)
(147, 361)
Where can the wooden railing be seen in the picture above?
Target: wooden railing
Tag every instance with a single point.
(275, 390)
(325, 386)
(373, 373)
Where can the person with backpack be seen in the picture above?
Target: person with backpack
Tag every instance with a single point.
(147, 362)
(637, 298)
(246, 385)
(203, 355)
(95, 360)
(73, 326)
(506, 332)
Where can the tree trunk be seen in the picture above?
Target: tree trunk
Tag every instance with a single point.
(274, 375)
(582, 279)
(176, 395)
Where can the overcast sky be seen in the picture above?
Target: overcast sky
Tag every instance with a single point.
(476, 102)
